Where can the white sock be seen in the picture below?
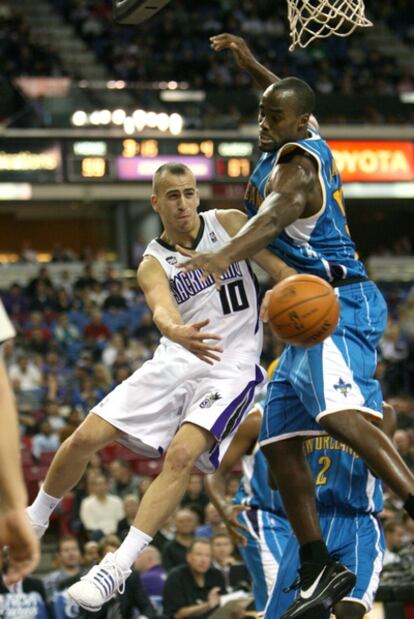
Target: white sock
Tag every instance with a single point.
(42, 507)
(131, 547)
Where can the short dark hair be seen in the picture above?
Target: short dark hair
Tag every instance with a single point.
(304, 94)
(198, 540)
(67, 538)
(171, 167)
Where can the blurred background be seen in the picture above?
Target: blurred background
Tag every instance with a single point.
(88, 111)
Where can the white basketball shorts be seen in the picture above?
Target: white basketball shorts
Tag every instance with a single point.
(175, 387)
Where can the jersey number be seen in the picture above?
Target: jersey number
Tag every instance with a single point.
(321, 479)
(233, 297)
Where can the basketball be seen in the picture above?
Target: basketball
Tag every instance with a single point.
(303, 310)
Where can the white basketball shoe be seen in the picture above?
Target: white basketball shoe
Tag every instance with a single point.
(99, 584)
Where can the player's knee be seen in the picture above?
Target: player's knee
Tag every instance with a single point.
(349, 610)
(82, 441)
(179, 458)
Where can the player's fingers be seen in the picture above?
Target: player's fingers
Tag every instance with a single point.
(201, 336)
(200, 324)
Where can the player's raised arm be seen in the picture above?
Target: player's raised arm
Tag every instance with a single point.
(244, 57)
(154, 283)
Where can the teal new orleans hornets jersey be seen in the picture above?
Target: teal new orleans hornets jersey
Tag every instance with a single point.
(254, 489)
(343, 481)
(320, 244)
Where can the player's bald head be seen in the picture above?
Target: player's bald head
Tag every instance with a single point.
(164, 173)
(294, 91)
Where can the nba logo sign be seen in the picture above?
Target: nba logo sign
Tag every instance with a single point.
(213, 237)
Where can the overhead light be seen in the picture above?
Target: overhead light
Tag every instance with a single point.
(118, 117)
(407, 97)
(140, 119)
(79, 118)
(176, 124)
(152, 120)
(129, 125)
(163, 121)
(174, 96)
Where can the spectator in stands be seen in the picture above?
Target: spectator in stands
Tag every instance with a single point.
(131, 504)
(53, 416)
(96, 332)
(102, 378)
(213, 522)
(403, 444)
(195, 494)
(42, 276)
(25, 599)
(90, 555)
(111, 351)
(123, 481)
(394, 541)
(64, 332)
(87, 279)
(16, 303)
(174, 552)
(153, 574)
(100, 512)
(69, 562)
(232, 485)
(45, 441)
(27, 374)
(235, 573)
(115, 300)
(193, 589)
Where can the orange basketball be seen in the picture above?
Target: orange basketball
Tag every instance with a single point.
(303, 310)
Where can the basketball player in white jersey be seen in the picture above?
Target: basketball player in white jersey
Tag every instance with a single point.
(188, 400)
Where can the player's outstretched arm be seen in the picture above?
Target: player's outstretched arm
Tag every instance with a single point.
(290, 187)
(15, 531)
(243, 443)
(232, 221)
(244, 57)
(154, 284)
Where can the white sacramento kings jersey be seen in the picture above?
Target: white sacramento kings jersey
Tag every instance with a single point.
(233, 310)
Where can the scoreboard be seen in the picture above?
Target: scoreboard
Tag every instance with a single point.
(135, 159)
(123, 159)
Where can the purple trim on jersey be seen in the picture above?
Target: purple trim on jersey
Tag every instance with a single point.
(251, 515)
(232, 415)
(258, 294)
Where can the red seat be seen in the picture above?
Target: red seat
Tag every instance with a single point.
(46, 457)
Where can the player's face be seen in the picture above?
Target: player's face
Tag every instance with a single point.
(279, 120)
(177, 201)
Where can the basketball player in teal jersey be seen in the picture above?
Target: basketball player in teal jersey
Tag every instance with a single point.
(349, 498)
(296, 209)
(256, 519)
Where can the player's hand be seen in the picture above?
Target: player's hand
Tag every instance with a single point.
(237, 45)
(21, 548)
(234, 526)
(210, 263)
(194, 339)
(213, 597)
(264, 314)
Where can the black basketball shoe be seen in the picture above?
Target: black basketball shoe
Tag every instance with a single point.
(321, 587)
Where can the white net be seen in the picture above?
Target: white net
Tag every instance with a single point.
(318, 19)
